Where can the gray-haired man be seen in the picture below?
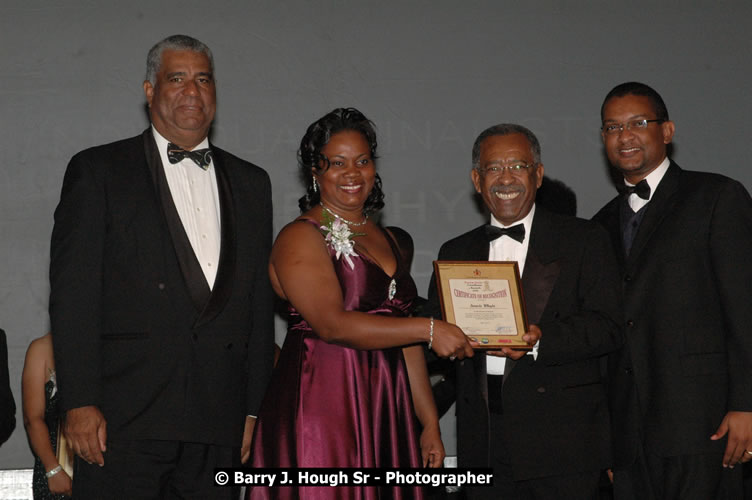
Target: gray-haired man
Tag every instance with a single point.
(160, 305)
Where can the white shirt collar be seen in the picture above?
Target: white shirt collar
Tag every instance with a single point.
(526, 221)
(162, 142)
(654, 177)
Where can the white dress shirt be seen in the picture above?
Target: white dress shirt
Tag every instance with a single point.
(194, 192)
(653, 179)
(508, 249)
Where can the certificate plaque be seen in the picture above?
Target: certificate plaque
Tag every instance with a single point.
(485, 300)
(64, 453)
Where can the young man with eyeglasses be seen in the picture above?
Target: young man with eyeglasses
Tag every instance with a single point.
(540, 420)
(680, 389)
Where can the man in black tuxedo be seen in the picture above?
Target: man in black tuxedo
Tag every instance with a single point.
(542, 418)
(681, 389)
(160, 304)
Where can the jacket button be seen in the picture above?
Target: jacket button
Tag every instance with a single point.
(228, 346)
(630, 322)
(627, 278)
(628, 371)
(541, 390)
(556, 314)
(195, 336)
(161, 286)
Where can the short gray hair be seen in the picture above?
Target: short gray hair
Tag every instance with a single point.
(174, 42)
(506, 129)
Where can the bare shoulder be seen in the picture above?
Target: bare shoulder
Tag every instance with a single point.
(39, 354)
(301, 231)
(300, 240)
(40, 346)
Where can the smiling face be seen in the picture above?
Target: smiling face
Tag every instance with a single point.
(348, 181)
(508, 194)
(182, 102)
(635, 152)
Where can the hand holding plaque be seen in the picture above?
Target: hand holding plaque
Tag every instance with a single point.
(532, 336)
(485, 300)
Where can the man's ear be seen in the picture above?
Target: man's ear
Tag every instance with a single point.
(668, 128)
(475, 176)
(148, 91)
(539, 173)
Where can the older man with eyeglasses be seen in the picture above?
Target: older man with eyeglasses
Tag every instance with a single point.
(539, 420)
(680, 389)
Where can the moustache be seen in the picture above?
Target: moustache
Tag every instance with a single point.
(498, 188)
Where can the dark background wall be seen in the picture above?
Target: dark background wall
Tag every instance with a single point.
(430, 74)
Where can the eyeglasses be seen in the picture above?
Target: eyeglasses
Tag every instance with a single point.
(617, 128)
(514, 168)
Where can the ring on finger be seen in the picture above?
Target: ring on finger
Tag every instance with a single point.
(748, 452)
(452, 357)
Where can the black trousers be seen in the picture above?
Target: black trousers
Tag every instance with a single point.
(578, 486)
(685, 477)
(154, 469)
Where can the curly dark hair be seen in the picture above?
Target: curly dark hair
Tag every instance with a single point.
(310, 157)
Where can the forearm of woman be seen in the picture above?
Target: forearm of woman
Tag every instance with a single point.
(39, 439)
(420, 386)
(431, 447)
(370, 331)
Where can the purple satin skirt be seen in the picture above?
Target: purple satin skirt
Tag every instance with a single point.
(332, 406)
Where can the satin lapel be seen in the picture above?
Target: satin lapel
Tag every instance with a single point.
(658, 208)
(226, 271)
(541, 271)
(542, 265)
(538, 282)
(193, 276)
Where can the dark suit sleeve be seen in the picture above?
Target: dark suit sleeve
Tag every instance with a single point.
(76, 260)
(730, 250)
(594, 328)
(261, 339)
(7, 403)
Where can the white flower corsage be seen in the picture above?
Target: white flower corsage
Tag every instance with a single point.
(339, 237)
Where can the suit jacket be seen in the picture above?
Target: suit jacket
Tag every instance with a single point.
(7, 403)
(688, 348)
(555, 418)
(137, 330)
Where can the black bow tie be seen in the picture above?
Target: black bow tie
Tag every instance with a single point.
(516, 232)
(641, 189)
(202, 157)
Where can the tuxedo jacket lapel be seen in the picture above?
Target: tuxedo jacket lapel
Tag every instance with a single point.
(194, 278)
(538, 282)
(657, 210)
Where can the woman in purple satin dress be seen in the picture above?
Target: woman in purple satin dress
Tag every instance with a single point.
(351, 378)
